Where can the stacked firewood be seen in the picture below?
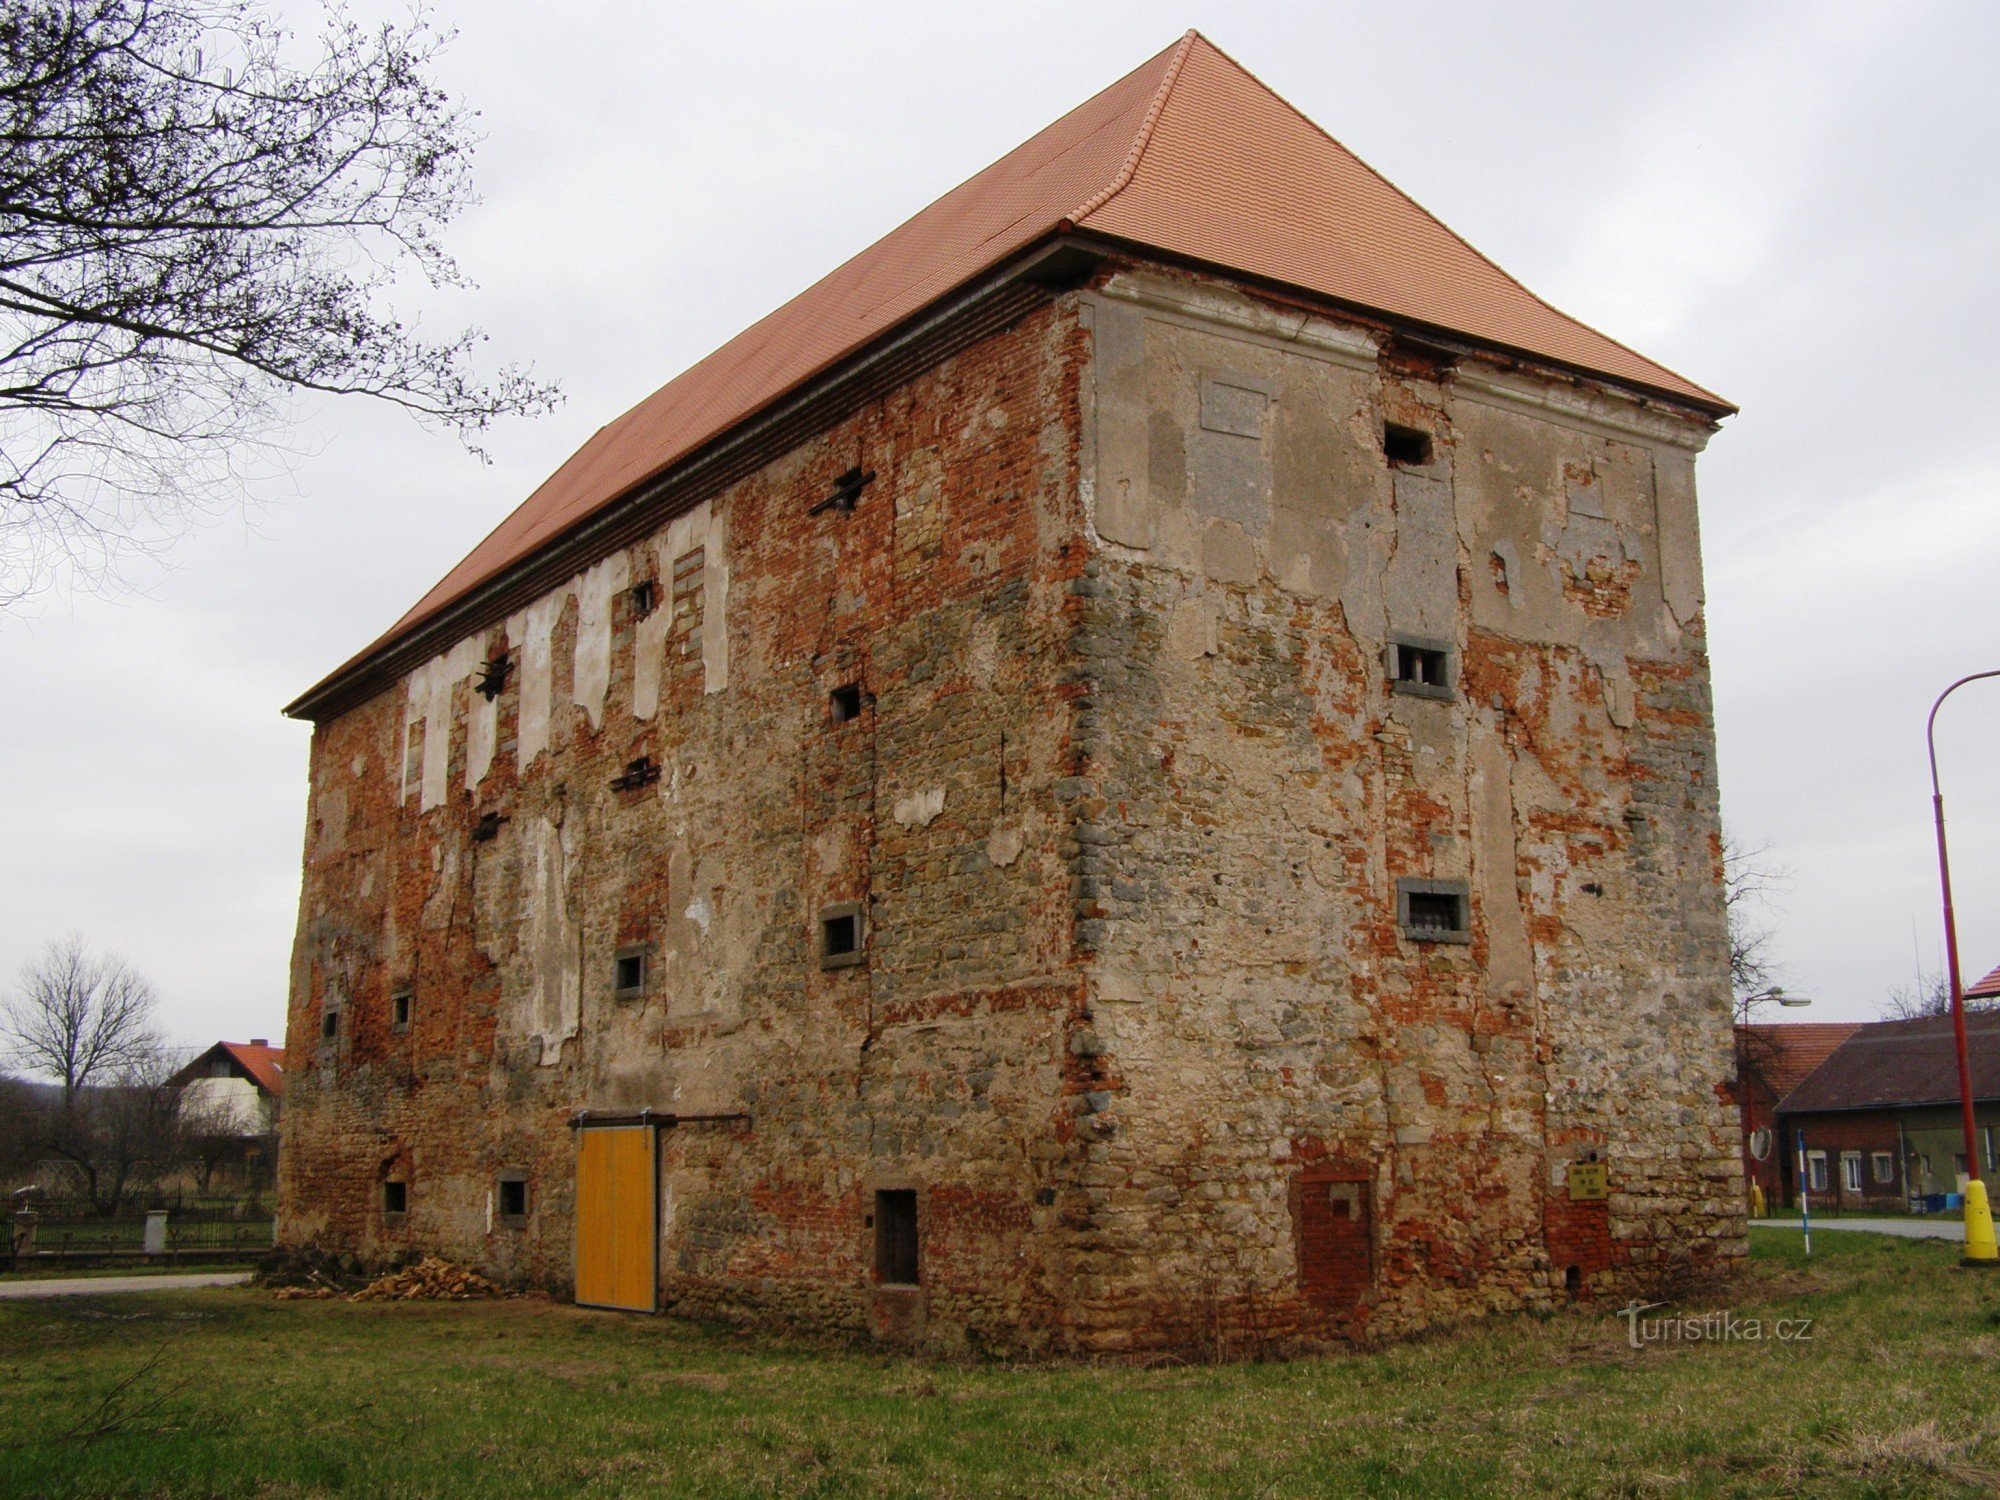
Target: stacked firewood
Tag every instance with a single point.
(432, 1279)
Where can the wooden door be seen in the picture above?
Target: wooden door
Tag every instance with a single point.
(617, 1235)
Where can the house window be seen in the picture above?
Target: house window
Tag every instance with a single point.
(1405, 447)
(395, 1199)
(628, 972)
(1420, 667)
(896, 1237)
(1986, 1134)
(843, 704)
(1885, 1167)
(842, 935)
(1434, 911)
(1816, 1171)
(399, 1011)
(1850, 1171)
(510, 1199)
(329, 1024)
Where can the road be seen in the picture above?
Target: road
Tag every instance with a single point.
(78, 1286)
(1909, 1229)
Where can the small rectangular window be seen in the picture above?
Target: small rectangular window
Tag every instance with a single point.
(1850, 1171)
(1420, 667)
(399, 1011)
(1816, 1171)
(844, 703)
(628, 972)
(395, 1197)
(1885, 1167)
(1405, 447)
(329, 1024)
(644, 595)
(896, 1237)
(840, 935)
(510, 1197)
(1434, 911)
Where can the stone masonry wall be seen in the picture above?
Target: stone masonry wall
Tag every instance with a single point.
(1124, 813)
(1251, 790)
(941, 1063)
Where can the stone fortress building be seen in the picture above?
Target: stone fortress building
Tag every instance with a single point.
(1132, 769)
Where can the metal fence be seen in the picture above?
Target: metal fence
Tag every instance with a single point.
(29, 1239)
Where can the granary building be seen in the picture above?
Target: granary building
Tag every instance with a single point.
(1133, 767)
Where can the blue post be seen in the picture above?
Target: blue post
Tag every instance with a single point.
(1805, 1195)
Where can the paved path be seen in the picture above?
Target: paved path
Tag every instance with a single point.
(78, 1286)
(1909, 1229)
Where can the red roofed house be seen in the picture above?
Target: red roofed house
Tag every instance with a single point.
(244, 1081)
(1772, 1059)
(1134, 766)
(1881, 1114)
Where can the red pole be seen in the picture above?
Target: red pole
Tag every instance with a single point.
(1951, 934)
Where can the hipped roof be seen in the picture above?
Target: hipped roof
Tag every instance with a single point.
(1785, 1053)
(1188, 155)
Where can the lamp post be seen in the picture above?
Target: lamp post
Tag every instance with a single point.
(1980, 1249)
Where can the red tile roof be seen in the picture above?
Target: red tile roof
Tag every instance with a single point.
(1189, 155)
(264, 1063)
(1784, 1054)
(1984, 989)
(1889, 1063)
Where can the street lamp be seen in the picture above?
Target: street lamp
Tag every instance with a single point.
(1980, 1249)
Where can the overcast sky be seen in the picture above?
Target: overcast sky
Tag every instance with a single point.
(1794, 205)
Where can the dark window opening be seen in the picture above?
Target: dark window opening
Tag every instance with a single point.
(487, 828)
(1420, 667)
(1434, 911)
(399, 1010)
(329, 1025)
(1405, 447)
(1573, 1279)
(641, 772)
(844, 703)
(493, 676)
(840, 935)
(629, 973)
(846, 491)
(896, 1236)
(511, 1198)
(395, 1197)
(644, 595)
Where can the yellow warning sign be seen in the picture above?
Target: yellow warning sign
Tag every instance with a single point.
(1589, 1181)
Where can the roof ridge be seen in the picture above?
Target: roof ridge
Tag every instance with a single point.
(1144, 137)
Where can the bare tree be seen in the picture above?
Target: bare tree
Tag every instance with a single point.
(79, 1017)
(200, 219)
(1928, 993)
(119, 1136)
(1751, 883)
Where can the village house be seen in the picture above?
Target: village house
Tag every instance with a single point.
(1134, 763)
(1772, 1059)
(1881, 1116)
(239, 1085)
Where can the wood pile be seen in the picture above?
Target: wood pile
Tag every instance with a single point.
(432, 1279)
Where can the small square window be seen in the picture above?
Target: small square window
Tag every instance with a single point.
(1405, 447)
(844, 703)
(644, 596)
(395, 1198)
(329, 1024)
(841, 935)
(399, 1011)
(896, 1237)
(1434, 911)
(1420, 667)
(510, 1196)
(1885, 1167)
(628, 972)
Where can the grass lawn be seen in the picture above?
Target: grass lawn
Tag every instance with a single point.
(1896, 1393)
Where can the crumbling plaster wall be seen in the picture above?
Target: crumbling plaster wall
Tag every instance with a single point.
(940, 1064)
(1250, 790)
